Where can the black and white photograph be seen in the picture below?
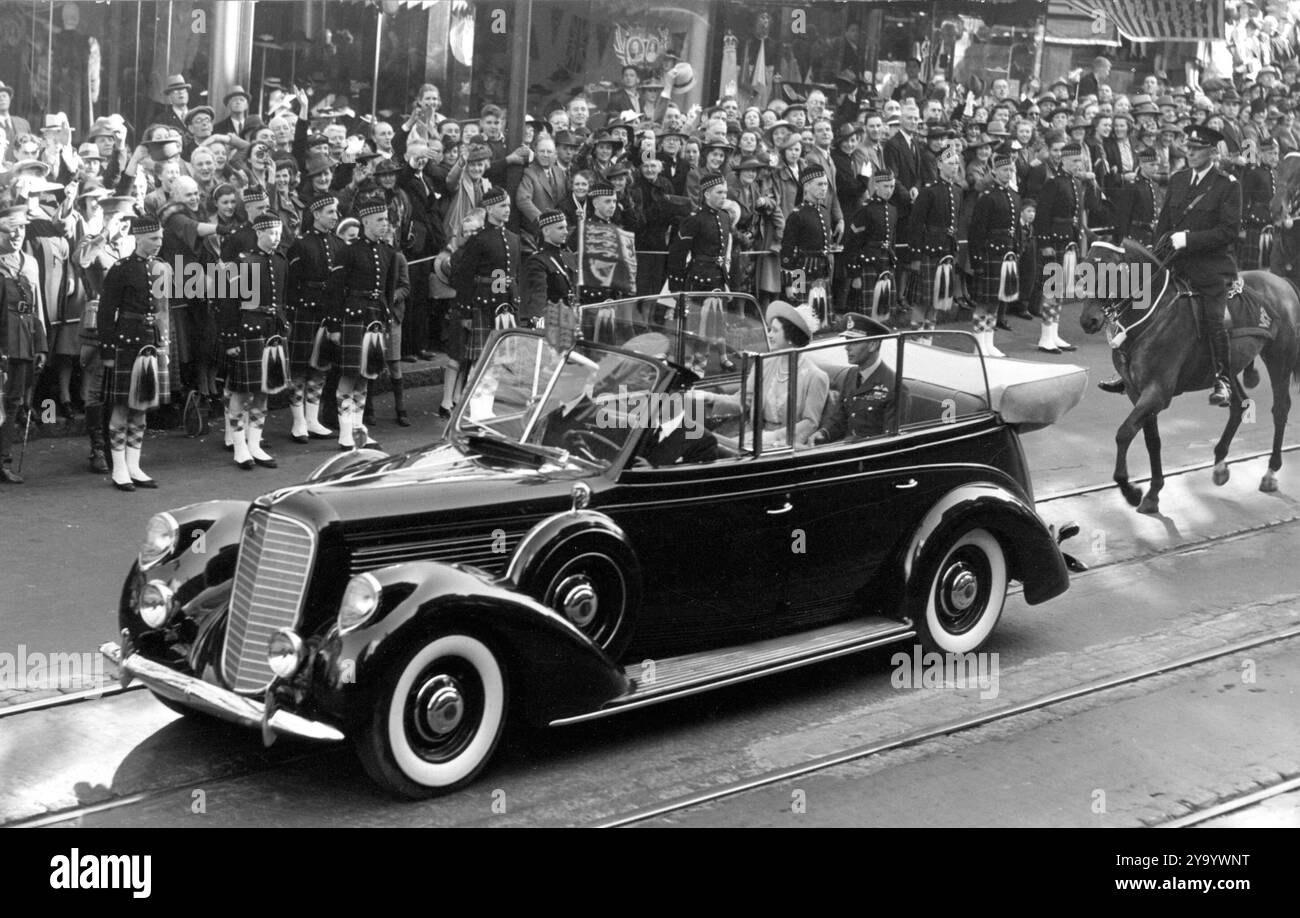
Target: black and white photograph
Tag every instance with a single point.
(593, 413)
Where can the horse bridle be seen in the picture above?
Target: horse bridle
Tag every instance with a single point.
(1111, 310)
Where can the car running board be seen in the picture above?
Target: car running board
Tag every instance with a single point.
(655, 681)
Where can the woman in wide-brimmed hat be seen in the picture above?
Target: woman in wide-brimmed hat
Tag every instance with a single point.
(787, 327)
(467, 182)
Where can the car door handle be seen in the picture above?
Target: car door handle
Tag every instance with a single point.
(779, 510)
(904, 485)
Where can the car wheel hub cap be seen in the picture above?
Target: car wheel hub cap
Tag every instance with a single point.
(963, 587)
(442, 705)
(578, 601)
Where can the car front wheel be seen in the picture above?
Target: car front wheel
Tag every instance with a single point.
(966, 592)
(439, 714)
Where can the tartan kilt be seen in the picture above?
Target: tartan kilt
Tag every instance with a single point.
(244, 372)
(988, 279)
(302, 338)
(1248, 250)
(482, 322)
(358, 314)
(870, 272)
(922, 288)
(118, 380)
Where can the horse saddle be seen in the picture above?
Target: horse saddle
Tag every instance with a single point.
(1248, 314)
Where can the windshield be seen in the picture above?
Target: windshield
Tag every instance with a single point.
(535, 401)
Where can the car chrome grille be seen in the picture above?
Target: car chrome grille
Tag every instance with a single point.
(489, 550)
(275, 559)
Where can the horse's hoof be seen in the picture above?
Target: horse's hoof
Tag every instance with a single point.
(1131, 494)
(1221, 474)
(1149, 505)
(1268, 484)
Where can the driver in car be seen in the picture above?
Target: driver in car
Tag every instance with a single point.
(868, 403)
(677, 439)
(575, 412)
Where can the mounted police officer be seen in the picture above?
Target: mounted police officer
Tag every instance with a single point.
(1201, 219)
(549, 272)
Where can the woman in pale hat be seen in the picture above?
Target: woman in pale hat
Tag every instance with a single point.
(787, 327)
(467, 184)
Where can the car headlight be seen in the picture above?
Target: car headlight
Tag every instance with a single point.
(360, 600)
(155, 603)
(284, 653)
(160, 535)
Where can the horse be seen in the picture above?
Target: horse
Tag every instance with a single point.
(1157, 352)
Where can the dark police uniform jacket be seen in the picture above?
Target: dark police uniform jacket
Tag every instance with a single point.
(1211, 216)
(548, 278)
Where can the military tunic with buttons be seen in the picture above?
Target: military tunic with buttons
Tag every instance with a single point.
(368, 278)
(486, 282)
(1147, 197)
(249, 323)
(805, 246)
(1258, 185)
(22, 337)
(312, 293)
(548, 278)
(869, 247)
(1063, 208)
(994, 232)
(697, 258)
(131, 319)
(867, 407)
(932, 236)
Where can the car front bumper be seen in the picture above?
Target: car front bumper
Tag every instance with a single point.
(215, 700)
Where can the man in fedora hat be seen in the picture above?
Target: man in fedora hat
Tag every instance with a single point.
(236, 105)
(11, 125)
(176, 90)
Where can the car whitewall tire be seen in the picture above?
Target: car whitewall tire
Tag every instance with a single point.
(965, 595)
(440, 713)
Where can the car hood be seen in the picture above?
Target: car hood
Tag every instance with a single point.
(440, 478)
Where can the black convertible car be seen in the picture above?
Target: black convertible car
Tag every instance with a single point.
(608, 523)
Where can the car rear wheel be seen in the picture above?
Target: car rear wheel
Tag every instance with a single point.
(965, 595)
(439, 713)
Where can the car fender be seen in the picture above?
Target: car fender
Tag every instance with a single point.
(555, 670)
(207, 546)
(554, 532)
(1032, 555)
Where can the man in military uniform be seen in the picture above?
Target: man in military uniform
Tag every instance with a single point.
(932, 242)
(1060, 223)
(1147, 197)
(485, 278)
(1258, 185)
(869, 248)
(368, 270)
(132, 340)
(604, 202)
(805, 245)
(548, 272)
(1201, 218)
(994, 240)
(697, 258)
(23, 345)
(312, 296)
(868, 404)
(95, 255)
(253, 322)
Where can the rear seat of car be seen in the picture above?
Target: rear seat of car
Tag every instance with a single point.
(926, 403)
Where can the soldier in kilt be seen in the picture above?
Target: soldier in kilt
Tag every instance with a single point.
(253, 331)
(805, 245)
(1258, 185)
(131, 339)
(698, 260)
(994, 241)
(932, 242)
(369, 283)
(869, 250)
(243, 238)
(312, 292)
(486, 276)
(1063, 205)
